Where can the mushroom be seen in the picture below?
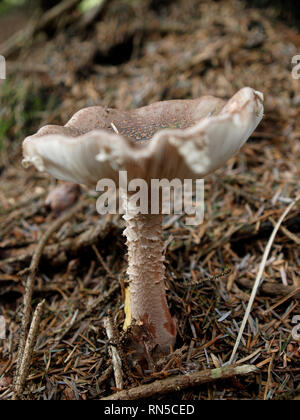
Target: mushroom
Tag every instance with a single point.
(62, 197)
(185, 139)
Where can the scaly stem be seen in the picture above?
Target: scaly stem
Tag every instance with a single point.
(146, 273)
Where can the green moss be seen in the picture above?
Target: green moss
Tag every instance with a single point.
(6, 5)
(22, 109)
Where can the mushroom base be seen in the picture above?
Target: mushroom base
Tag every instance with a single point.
(146, 271)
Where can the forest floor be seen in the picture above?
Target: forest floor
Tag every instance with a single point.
(127, 55)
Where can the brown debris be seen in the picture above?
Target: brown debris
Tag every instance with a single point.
(116, 359)
(62, 197)
(177, 383)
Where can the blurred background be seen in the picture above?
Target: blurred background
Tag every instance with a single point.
(65, 55)
(62, 56)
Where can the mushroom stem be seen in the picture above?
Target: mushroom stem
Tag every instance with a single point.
(146, 271)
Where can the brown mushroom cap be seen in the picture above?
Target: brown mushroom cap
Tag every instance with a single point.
(142, 123)
(169, 139)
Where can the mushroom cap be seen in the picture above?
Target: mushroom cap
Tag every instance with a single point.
(185, 139)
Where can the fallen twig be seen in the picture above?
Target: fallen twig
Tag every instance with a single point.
(272, 289)
(116, 359)
(32, 274)
(269, 377)
(28, 349)
(180, 382)
(105, 375)
(102, 262)
(67, 246)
